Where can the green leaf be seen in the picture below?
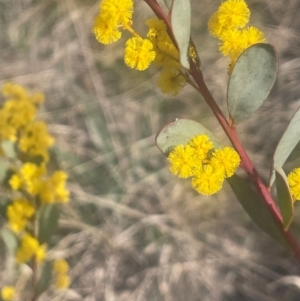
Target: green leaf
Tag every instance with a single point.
(4, 166)
(48, 221)
(285, 200)
(181, 26)
(8, 148)
(4, 203)
(287, 143)
(251, 80)
(255, 208)
(181, 131)
(45, 277)
(10, 239)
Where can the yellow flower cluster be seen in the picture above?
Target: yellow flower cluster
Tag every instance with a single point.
(140, 53)
(17, 122)
(30, 183)
(61, 268)
(207, 167)
(34, 180)
(35, 140)
(228, 24)
(29, 247)
(115, 15)
(18, 214)
(294, 183)
(8, 293)
(18, 111)
(171, 80)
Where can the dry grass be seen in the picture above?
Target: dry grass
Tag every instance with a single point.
(133, 232)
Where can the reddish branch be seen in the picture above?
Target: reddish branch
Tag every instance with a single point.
(231, 133)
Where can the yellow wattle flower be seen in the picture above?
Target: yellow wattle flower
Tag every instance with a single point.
(231, 43)
(35, 140)
(15, 182)
(8, 293)
(208, 180)
(214, 25)
(62, 281)
(28, 247)
(53, 190)
(105, 32)
(252, 35)
(157, 29)
(233, 14)
(40, 253)
(60, 266)
(14, 91)
(18, 214)
(201, 145)
(294, 183)
(117, 11)
(167, 54)
(226, 160)
(139, 53)
(29, 177)
(182, 161)
(171, 81)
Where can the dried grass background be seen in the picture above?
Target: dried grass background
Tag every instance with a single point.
(132, 231)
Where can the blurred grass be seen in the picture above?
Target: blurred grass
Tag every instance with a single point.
(133, 231)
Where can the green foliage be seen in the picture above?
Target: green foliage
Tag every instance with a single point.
(286, 144)
(4, 167)
(10, 239)
(3, 206)
(9, 149)
(48, 221)
(181, 26)
(285, 200)
(255, 208)
(45, 277)
(181, 131)
(251, 80)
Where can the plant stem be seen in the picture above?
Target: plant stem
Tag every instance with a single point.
(34, 279)
(34, 259)
(231, 133)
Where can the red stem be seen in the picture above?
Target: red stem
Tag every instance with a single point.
(231, 133)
